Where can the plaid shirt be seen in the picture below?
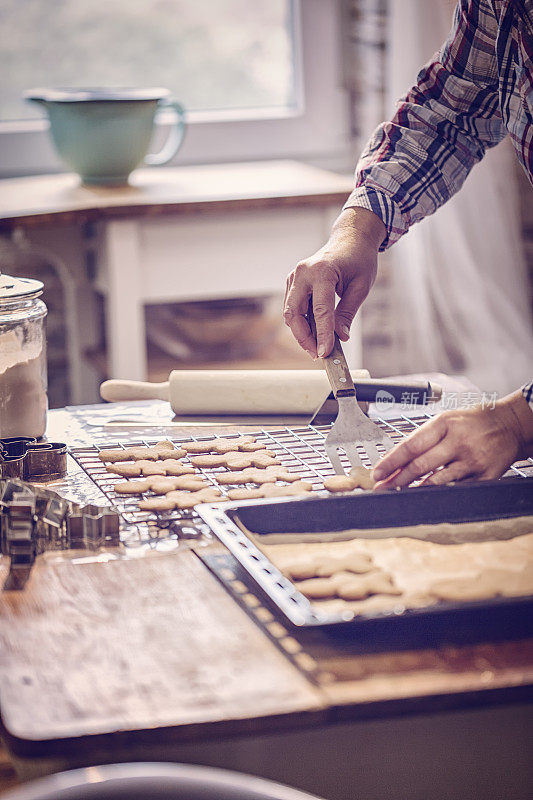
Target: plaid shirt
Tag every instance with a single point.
(474, 91)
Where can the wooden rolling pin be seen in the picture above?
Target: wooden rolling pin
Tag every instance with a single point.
(255, 391)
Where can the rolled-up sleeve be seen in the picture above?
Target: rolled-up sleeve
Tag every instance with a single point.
(417, 161)
(527, 391)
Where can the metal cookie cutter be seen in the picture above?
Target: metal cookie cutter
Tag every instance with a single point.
(34, 520)
(25, 458)
(17, 521)
(90, 527)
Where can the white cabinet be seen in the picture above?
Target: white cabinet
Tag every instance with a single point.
(185, 233)
(227, 249)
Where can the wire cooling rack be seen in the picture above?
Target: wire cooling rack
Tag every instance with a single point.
(300, 449)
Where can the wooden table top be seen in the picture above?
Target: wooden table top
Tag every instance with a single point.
(136, 648)
(153, 192)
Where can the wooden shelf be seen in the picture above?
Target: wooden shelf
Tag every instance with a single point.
(178, 190)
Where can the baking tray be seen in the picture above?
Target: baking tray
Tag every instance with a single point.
(469, 502)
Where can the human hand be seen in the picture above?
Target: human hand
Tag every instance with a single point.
(468, 443)
(347, 266)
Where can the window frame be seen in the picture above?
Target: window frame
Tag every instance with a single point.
(316, 130)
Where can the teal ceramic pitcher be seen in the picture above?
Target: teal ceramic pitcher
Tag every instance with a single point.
(103, 134)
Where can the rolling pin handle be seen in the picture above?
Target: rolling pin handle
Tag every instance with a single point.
(116, 391)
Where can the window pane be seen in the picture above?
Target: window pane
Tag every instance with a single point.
(212, 54)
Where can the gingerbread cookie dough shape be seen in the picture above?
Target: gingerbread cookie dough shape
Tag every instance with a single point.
(260, 460)
(358, 478)
(236, 461)
(132, 487)
(254, 475)
(176, 468)
(134, 469)
(125, 470)
(318, 588)
(160, 450)
(271, 490)
(185, 500)
(321, 566)
(487, 584)
(157, 504)
(151, 467)
(197, 448)
(246, 444)
(349, 586)
(166, 449)
(181, 500)
(184, 483)
(357, 587)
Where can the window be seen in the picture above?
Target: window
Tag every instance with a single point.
(258, 79)
(224, 54)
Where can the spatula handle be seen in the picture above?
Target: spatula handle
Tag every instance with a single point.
(335, 364)
(338, 371)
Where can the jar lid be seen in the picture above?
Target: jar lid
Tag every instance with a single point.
(18, 287)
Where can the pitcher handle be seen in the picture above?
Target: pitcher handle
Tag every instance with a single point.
(174, 138)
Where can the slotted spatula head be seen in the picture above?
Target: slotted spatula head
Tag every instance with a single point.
(351, 429)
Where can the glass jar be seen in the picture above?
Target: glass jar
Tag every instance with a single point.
(23, 398)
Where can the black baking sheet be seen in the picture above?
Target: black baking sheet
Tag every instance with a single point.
(479, 623)
(468, 502)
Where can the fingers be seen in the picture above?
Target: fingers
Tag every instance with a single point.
(323, 292)
(324, 313)
(347, 308)
(288, 287)
(300, 286)
(295, 306)
(457, 471)
(423, 464)
(418, 443)
(468, 443)
(295, 317)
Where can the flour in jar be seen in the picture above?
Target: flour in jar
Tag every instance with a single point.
(23, 399)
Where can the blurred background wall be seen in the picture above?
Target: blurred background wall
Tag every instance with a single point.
(453, 296)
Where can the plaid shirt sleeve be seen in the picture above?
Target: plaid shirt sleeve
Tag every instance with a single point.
(527, 391)
(417, 161)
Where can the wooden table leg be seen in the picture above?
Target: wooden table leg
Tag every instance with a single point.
(126, 334)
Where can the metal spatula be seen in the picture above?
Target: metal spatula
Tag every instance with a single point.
(351, 428)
